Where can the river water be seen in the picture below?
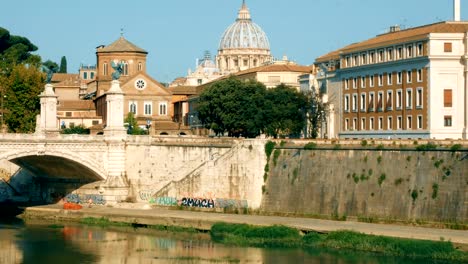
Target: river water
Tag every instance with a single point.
(33, 242)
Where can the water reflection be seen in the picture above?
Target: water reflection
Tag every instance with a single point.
(44, 243)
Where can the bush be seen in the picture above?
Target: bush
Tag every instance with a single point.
(310, 145)
(276, 155)
(380, 147)
(76, 130)
(456, 147)
(269, 146)
(382, 178)
(428, 146)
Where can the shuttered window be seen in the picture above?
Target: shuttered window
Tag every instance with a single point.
(448, 98)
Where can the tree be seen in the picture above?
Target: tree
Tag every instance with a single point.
(285, 112)
(20, 82)
(234, 107)
(15, 50)
(22, 103)
(132, 125)
(316, 113)
(51, 65)
(63, 65)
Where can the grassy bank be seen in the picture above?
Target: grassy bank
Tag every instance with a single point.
(286, 237)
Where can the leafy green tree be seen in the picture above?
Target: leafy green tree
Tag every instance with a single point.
(51, 65)
(285, 111)
(20, 82)
(21, 98)
(234, 107)
(63, 65)
(132, 125)
(15, 50)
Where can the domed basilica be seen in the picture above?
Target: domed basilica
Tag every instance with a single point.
(244, 45)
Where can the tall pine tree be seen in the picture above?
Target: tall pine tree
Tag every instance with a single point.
(63, 65)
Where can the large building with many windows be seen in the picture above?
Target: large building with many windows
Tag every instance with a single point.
(408, 83)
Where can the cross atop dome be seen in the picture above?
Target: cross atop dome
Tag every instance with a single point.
(244, 13)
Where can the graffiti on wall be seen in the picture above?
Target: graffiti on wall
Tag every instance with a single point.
(145, 195)
(85, 198)
(164, 201)
(197, 202)
(205, 200)
(229, 203)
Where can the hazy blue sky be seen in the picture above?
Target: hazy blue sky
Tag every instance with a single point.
(176, 32)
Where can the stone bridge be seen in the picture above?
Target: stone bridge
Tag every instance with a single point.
(67, 158)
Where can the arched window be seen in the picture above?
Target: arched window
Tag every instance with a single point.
(125, 69)
(104, 69)
(163, 109)
(140, 66)
(133, 107)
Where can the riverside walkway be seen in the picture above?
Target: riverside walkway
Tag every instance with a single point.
(204, 221)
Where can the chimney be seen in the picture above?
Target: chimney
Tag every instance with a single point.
(456, 10)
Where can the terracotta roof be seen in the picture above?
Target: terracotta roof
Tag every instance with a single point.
(410, 34)
(60, 77)
(334, 55)
(277, 68)
(183, 90)
(76, 105)
(121, 45)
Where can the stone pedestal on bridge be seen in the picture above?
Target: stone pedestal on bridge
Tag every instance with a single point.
(48, 117)
(115, 112)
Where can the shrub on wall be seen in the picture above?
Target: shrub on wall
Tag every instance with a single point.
(269, 146)
(428, 146)
(310, 145)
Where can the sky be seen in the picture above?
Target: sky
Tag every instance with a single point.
(176, 32)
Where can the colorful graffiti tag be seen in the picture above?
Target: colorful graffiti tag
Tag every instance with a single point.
(85, 198)
(197, 202)
(164, 201)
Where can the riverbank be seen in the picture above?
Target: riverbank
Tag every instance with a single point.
(139, 214)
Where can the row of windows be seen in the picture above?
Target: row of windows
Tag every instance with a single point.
(388, 78)
(383, 101)
(148, 108)
(392, 53)
(378, 123)
(85, 75)
(363, 125)
(105, 68)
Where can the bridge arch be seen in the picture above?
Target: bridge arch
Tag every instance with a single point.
(57, 164)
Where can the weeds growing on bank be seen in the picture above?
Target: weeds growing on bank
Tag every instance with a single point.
(104, 222)
(286, 237)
